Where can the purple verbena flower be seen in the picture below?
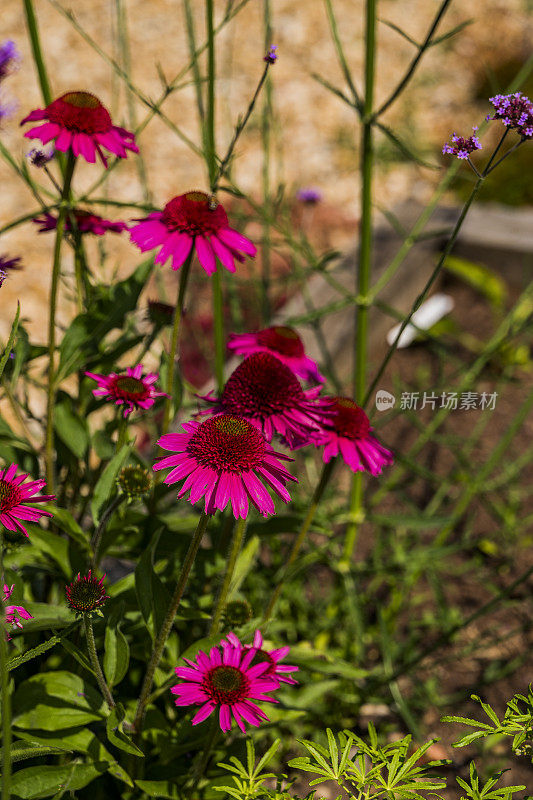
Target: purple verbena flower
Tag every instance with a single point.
(515, 111)
(309, 195)
(40, 157)
(462, 147)
(271, 57)
(6, 264)
(8, 55)
(3, 276)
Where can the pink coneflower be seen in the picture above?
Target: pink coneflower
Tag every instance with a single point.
(348, 431)
(13, 614)
(271, 657)
(13, 496)
(85, 223)
(282, 342)
(130, 389)
(86, 593)
(265, 391)
(225, 459)
(78, 120)
(228, 681)
(192, 218)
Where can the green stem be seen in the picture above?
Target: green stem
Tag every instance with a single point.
(93, 656)
(122, 432)
(106, 516)
(176, 325)
(6, 700)
(265, 139)
(168, 621)
(56, 270)
(327, 471)
(210, 147)
(218, 329)
(364, 266)
(203, 756)
(33, 30)
(235, 548)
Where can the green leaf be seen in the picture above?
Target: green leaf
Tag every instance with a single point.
(116, 735)
(15, 662)
(64, 520)
(20, 751)
(160, 789)
(116, 653)
(53, 545)
(480, 278)
(80, 740)
(54, 700)
(152, 596)
(72, 430)
(10, 341)
(43, 781)
(106, 482)
(244, 564)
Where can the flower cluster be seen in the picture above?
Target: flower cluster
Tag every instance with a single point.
(462, 147)
(230, 679)
(515, 111)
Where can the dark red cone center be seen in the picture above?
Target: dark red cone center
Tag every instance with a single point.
(226, 684)
(193, 213)
(128, 388)
(10, 496)
(80, 112)
(228, 444)
(283, 340)
(349, 419)
(86, 593)
(261, 386)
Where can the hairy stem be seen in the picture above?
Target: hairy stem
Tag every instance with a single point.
(56, 269)
(364, 265)
(327, 471)
(93, 656)
(235, 548)
(174, 341)
(168, 621)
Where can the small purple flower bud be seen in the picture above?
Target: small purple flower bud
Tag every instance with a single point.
(40, 158)
(3, 276)
(309, 195)
(271, 57)
(462, 147)
(8, 56)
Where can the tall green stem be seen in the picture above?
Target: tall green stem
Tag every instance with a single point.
(176, 326)
(33, 30)
(235, 549)
(265, 137)
(364, 266)
(93, 656)
(168, 621)
(6, 700)
(56, 270)
(211, 159)
(327, 471)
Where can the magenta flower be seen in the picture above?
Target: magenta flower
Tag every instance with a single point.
(14, 614)
(515, 111)
(227, 681)
(85, 223)
(265, 391)
(225, 459)
(462, 147)
(79, 121)
(132, 389)
(13, 496)
(282, 342)
(192, 219)
(271, 657)
(348, 432)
